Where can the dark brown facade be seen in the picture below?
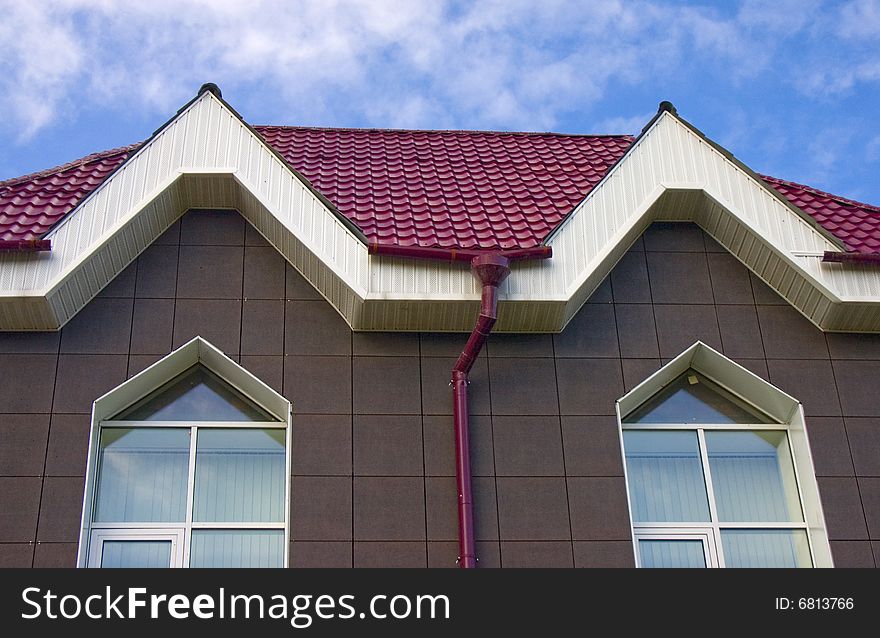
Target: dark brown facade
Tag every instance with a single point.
(373, 470)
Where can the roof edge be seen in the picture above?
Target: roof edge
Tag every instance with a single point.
(458, 254)
(816, 191)
(755, 176)
(61, 168)
(665, 106)
(345, 221)
(441, 131)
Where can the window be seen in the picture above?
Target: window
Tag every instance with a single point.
(194, 474)
(713, 479)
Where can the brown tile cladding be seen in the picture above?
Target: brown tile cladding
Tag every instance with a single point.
(373, 455)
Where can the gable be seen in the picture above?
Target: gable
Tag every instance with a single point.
(693, 398)
(750, 389)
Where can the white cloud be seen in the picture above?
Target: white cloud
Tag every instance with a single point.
(860, 19)
(827, 154)
(39, 55)
(492, 64)
(778, 16)
(872, 150)
(851, 56)
(629, 125)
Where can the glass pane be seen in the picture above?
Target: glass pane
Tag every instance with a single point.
(142, 475)
(240, 475)
(753, 477)
(671, 553)
(692, 398)
(665, 476)
(237, 548)
(765, 548)
(136, 554)
(195, 395)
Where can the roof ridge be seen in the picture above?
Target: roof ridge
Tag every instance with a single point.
(93, 157)
(813, 189)
(441, 131)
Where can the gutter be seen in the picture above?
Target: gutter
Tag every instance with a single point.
(25, 245)
(491, 268)
(851, 258)
(457, 254)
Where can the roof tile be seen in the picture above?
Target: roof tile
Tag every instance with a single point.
(856, 224)
(465, 189)
(32, 204)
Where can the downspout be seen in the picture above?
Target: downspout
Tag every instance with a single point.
(491, 269)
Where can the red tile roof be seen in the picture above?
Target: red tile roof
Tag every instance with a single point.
(30, 205)
(450, 189)
(856, 224)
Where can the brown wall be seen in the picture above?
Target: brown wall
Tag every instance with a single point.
(373, 453)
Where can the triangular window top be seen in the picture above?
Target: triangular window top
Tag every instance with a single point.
(195, 395)
(693, 398)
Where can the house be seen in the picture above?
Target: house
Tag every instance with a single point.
(234, 345)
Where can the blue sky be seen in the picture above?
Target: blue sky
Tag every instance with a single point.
(792, 88)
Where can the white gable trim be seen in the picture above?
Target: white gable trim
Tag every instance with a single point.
(207, 157)
(739, 381)
(196, 350)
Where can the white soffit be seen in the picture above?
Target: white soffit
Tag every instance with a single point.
(206, 157)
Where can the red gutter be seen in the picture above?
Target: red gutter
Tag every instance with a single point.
(457, 254)
(851, 258)
(25, 245)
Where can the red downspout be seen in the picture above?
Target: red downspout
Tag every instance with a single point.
(491, 269)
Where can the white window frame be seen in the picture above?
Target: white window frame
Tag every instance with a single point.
(759, 395)
(714, 526)
(187, 526)
(703, 534)
(197, 351)
(141, 533)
